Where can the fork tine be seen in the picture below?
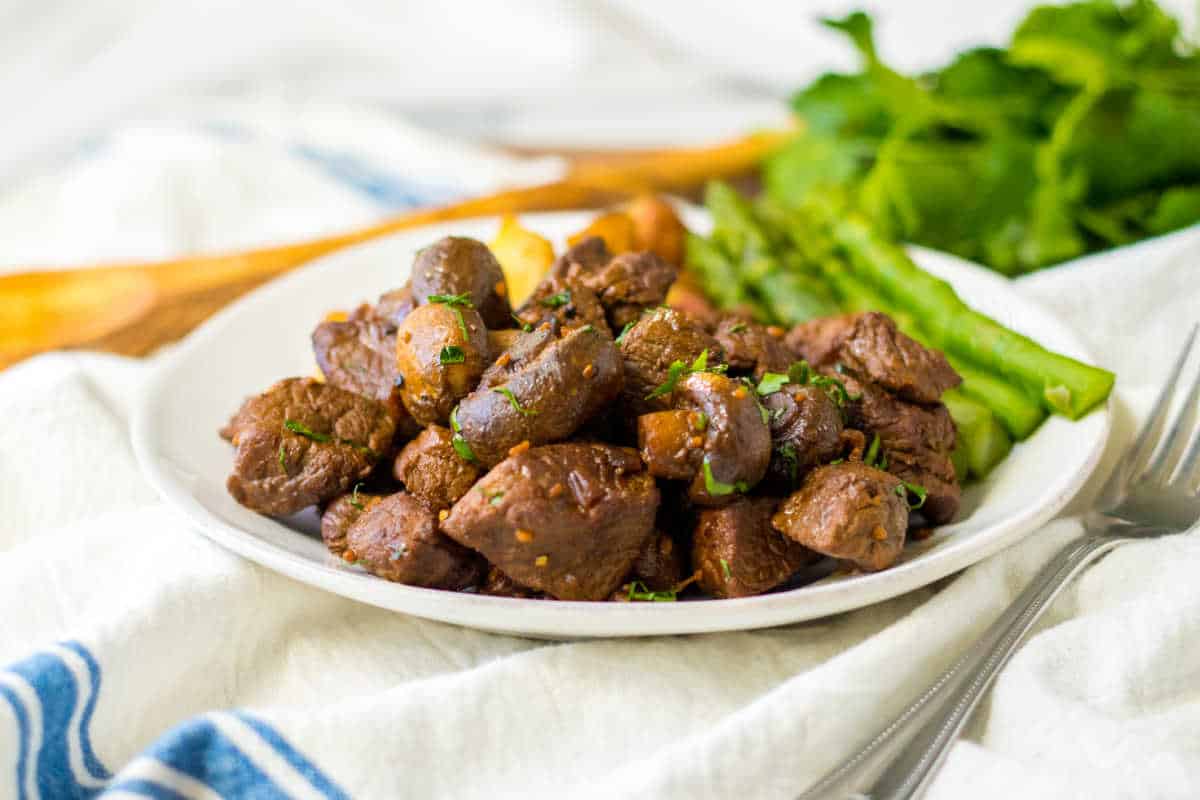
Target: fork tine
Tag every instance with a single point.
(1149, 436)
(1162, 456)
(1164, 471)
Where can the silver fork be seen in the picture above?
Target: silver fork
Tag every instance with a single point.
(1153, 491)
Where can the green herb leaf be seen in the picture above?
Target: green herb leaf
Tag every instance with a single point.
(621, 337)
(737, 327)
(302, 429)
(587, 328)
(871, 459)
(398, 551)
(453, 300)
(718, 489)
(725, 569)
(458, 441)
(787, 451)
(674, 372)
(639, 592)
(512, 401)
(771, 382)
(701, 421)
(918, 491)
(452, 354)
(522, 324)
(283, 459)
(701, 362)
(556, 300)
(354, 501)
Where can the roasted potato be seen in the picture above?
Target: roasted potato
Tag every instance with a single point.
(616, 228)
(657, 228)
(524, 256)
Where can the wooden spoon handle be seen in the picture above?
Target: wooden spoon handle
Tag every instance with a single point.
(134, 308)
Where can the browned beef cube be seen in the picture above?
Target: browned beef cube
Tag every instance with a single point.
(739, 554)
(432, 471)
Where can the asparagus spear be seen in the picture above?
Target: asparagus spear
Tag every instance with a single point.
(1063, 385)
(715, 271)
(981, 439)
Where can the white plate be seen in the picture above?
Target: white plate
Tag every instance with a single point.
(265, 337)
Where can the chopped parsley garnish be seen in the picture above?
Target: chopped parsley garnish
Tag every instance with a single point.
(458, 441)
(305, 431)
(452, 354)
(905, 488)
(771, 382)
(801, 374)
(621, 336)
(399, 550)
(836, 461)
(874, 456)
(522, 324)
(587, 328)
(738, 327)
(354, 501)
(701, 421)
(725, 569)
(787, 451)
(516, 404)
(639, 591)
(679, 368)
(283, 459)
(718, 489)
(556, 300)
(463, 299)
(454, 301)
(493, 498)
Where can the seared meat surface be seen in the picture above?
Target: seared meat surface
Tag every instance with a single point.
(303, 442)
(545, 400)
(441, 350)
(661, 565)
(392, 307)
(398, 540)
(752, 348)
(432, 471)
(566, 301)
(627, 285)
(651, 345)
(739, 554)
(876, 350)
(360, 356)
(566, 519)
(916, 442)
(456, 266)
(339, 515)
(848, 511)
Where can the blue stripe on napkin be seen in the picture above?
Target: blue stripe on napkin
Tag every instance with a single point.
(45, 692)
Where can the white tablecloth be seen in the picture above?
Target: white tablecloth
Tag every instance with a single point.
(143, 660)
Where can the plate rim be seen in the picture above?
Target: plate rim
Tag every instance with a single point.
(542, 619)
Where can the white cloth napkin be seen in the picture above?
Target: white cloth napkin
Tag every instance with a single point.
(145, 661)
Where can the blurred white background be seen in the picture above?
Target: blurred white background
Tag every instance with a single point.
(140, 128)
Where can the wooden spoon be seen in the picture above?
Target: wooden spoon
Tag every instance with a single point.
(133, 309)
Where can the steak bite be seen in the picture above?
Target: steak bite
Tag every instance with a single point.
(806, 429)
(849, 511)
(721, 444)
(455, 266)
(648, 349)
(586, 255)
(339, 515)
(432, 471)
(303, 442)
(360, 356)
(817, 341)
(751, 348)
(567, 519)
(661, 566)
(737, 553)
(497, 584)
(545, 400)
(525, 347)
(441, 350)
(916, 442)
(875, 349)
(398, 539)
(627, 285)
(392, 307)
(566, 301)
